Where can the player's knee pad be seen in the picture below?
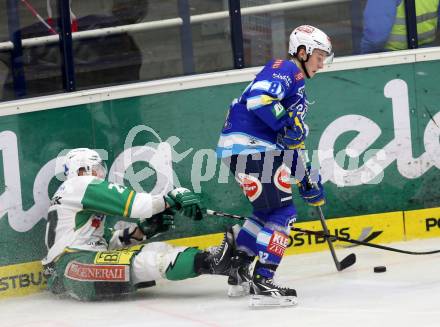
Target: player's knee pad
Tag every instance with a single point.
(281, 219)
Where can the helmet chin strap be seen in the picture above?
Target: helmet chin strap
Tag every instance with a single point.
(303, 65)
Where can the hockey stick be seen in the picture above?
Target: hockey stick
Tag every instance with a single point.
(349, 240)
(330, 236)
(348, 260)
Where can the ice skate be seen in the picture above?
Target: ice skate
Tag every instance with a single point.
(265, 293)
(239, 276)
(217, 260)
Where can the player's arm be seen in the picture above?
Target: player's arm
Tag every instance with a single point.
(154, 214)
(296, 130)
(180, 199)
(117, 200)
(264, 101)
(123, 234)
(279, 80)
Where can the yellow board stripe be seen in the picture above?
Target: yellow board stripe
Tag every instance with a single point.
(390, 226)
(422, 223)
(21, 279)
(127, 204)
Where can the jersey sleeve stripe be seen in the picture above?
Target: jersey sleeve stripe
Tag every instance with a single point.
(128, 203)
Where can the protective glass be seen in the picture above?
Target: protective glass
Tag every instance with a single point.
(329, 58)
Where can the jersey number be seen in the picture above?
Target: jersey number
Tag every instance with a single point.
(274, 88)
(118, 188)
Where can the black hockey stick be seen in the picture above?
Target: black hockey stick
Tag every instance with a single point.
(330, 236)
(348, 260)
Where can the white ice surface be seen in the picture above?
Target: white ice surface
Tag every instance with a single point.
(408, 294)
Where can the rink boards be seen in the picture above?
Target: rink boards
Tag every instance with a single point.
(23, 279)
(375, 228)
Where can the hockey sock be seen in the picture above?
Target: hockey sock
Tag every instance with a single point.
(246, 239)
(265, 270)
(273, 239)
(271, 245)
(185, 265)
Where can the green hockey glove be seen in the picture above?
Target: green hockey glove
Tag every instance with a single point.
(185, 201)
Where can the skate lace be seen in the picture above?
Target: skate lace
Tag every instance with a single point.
(215, 250)
(272, 283)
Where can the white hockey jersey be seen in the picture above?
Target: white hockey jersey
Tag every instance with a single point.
(78, 209)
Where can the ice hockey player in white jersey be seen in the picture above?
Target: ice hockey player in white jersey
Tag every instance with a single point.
(260, 140)
(88, 260)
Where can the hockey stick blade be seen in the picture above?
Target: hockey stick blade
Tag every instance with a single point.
(350, 259)
(347, 261)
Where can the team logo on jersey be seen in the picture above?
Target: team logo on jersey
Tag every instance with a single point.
(97, 273)
(277, 63)
(278, 243)
(285, 78)
(251, 186)
(299, 76)
(278, 111)
(281, 179)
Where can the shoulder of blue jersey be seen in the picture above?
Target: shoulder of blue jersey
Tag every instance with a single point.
(285, 70)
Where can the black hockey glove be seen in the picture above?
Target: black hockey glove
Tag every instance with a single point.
(157, 224)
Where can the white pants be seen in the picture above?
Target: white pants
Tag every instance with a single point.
(152, 262)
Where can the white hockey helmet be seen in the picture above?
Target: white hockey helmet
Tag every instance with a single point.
(89, 160)
(311, 38)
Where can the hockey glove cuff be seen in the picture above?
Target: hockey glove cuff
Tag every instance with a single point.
(295, 134)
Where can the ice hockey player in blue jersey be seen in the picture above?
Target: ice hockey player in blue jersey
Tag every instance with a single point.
(260, 140)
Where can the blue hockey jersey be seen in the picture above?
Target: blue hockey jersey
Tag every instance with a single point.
(255, 122)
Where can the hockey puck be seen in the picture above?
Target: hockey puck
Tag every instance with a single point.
(380, 269)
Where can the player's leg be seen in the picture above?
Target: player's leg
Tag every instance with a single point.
(244, 252)
(87, 276)
(244, 168)
(272, 241)
(160, 260)
(265, 180)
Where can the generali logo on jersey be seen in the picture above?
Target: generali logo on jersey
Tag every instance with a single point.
(96, 273)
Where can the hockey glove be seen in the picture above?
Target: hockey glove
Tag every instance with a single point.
(312, 194)
(185, 201)
(127, 236)
(295, 134)
(157, 224)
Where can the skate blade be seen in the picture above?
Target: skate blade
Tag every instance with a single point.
(261, 301)
(239, 290)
